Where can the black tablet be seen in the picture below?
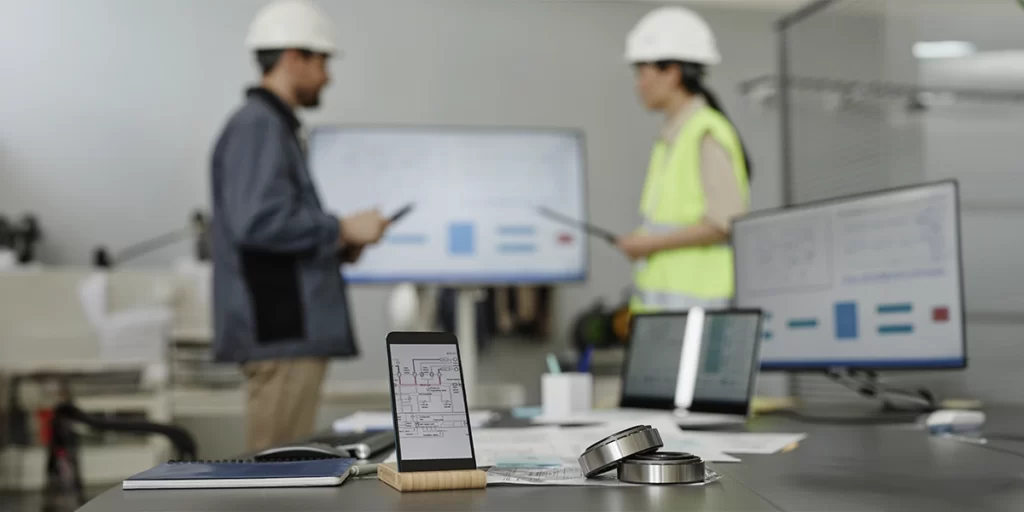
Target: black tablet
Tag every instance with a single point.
(428, 403)
(401, 213)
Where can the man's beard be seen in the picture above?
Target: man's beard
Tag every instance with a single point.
(308, 99)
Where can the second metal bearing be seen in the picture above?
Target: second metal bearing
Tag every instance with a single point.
(605, 454)
(662, 468)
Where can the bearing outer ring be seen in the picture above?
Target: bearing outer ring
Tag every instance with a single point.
(662, 468)
(605, 454)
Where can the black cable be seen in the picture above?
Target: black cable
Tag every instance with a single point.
(868, 389)
(996, 449)
(885, 419)
(1017, 438)
(155, 243)
(182, 440)
(871, 389)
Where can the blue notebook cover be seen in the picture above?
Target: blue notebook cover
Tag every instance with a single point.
(247, 473)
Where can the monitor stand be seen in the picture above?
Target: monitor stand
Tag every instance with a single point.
(892, 405)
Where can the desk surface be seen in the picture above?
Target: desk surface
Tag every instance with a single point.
(863, 468)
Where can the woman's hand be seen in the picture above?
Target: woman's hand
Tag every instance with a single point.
(637, 245)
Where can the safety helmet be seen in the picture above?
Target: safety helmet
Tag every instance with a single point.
(672, 33)
(291, 24)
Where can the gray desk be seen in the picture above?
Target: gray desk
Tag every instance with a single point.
(862, 468)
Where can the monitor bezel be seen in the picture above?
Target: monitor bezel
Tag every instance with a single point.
(879, 365)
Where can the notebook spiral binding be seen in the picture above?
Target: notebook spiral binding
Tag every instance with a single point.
(248, 461)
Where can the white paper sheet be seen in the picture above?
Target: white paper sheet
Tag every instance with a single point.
(557, 447)
(598, 416)
(745, 442)
(381, 420)
(564, 475)
(539, 446)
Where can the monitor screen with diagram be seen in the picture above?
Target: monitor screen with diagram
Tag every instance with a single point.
(653, 362)
(476, 194)
(729, 357)
(871, 281)
(429, 406)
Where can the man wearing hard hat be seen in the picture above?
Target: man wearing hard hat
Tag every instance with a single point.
(280, 306)
(697, 179)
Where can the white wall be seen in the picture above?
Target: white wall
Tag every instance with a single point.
(108, 108)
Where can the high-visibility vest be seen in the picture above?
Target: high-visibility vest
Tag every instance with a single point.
(673, 198)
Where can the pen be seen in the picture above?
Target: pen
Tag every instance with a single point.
(363, 469)
(584, 364)
(553, 366)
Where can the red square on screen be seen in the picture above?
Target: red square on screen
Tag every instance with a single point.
(940, 314)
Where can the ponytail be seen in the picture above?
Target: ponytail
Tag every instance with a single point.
(693, 81)
(715, 104)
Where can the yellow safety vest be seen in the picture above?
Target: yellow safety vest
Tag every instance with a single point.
(673, 198)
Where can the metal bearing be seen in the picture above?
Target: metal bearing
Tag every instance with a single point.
(662, 468)
(606, 453)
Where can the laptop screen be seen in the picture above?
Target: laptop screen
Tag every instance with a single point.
(652, 363)
(728, 365)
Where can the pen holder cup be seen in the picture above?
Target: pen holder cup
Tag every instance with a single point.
(565, 393)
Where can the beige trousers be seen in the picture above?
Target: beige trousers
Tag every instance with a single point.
(284, 395)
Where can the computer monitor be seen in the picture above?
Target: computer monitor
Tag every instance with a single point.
(727, 371)
(865, 282)
(659, 362)
(475, 194)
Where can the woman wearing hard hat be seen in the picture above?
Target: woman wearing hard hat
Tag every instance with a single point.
(697, 179)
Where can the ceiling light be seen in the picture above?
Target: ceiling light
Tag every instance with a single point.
(943, 49)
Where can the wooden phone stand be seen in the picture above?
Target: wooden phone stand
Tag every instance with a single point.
(430, 480)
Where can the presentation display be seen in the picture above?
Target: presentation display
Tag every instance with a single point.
(476, 194)
(872, 281)
(656, 342)
(433, 422)
(728, 357)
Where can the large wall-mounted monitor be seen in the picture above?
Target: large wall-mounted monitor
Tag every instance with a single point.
(476, 193)
(866, 282)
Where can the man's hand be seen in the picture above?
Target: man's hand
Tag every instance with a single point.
(351, 253)
(363, 228)
(636, 245)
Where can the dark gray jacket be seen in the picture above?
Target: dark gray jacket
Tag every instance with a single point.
(277, 285)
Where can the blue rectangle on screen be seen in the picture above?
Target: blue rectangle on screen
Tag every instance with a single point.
(896, 329)
(888, 309)
(461, 238)
(516, 230)
(517, 248)
(846, 320)
(802, 323)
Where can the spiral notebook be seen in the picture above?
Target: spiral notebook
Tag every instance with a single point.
(230, 474)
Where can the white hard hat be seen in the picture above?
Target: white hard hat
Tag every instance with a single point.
(291, 24)
(672, 33)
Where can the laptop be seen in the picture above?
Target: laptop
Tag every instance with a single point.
(702, 365)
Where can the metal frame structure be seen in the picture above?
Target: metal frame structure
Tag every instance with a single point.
(785, 122)
(786, 83)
